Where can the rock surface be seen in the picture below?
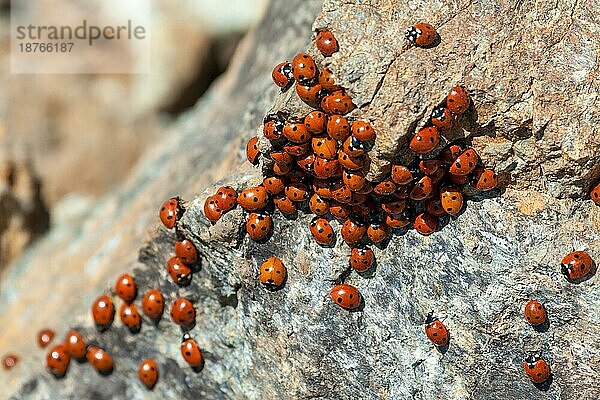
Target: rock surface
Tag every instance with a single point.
(534, 120)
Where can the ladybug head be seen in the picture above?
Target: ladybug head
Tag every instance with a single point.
(566, 270)
(430, 318)
(531, 358)
(411, 34)
(437, 113)
(185, 337)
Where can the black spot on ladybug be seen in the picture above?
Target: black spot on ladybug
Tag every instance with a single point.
(339, 299)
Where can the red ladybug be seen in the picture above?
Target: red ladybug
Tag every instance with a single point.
(452, 200)
(10, 361)
(253, 199)
(465, 163)
(326, 42)
(351, 163)
(296, 191)
(307, 162)
(423, 189)
(183, 312)
(212, 212)
(57, 361)
(252, 151)
(338, 127)
(148, 373)
(315, 122)
(317, 205)
(536, 368)
(341, 193)
(226, 198)
(130, 317)
(282, 74)
(325, 147)
(272, 128)
(170, 212)
(274, 184)
(186, 251)
(535, 312)
(304, 68)
(125, 288)
(394, 206)
(296, 150)
(458, 100)
(354, 180)
(180, 273)
(425, 224)
(327, 80)
(377, 232)
(296, 133)
(153, 304)
(401, 175)
(103, 312)
(310, 94)
(285, 205)
(258, 226)
(45, 336)
(595, 194)
(361, 259)
(434, 207)
(324, 168)
(281, 169)
(281, 157)
(363, 131)
(451, 153)
(100, 360)
(425, 140)
(385, 187)
(191, 352)
(338, 102)
(403, 192)
(354, 147)
(339, 210)
(75, 346)
(397, 220)
(576, 265)
(346, 296)
(421, 34)
(272, 273)
(353, 231)
(436, 331)
(442, 118)
(484, 179)
(322, 231)
(429, 167)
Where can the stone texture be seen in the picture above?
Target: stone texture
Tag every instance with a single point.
(533, 119)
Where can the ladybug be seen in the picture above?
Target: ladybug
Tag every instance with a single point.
(438, 175)
(272, 129)
(296, 133)
(326, 42)
(148, 373)
(57, 361)
(337, 102)
(452, 200)
(425, 224)
(310, 94)
(341, 193)
(385, 187)
(325, 147)
(361, 259)
(351, 163)
(296, 176)
(296, 191)
(307, 163)
(315, 122)
(354, 180)
(44, 337)
(403, 192)
(322, 231)
(296, 150)
(401, 175)
(153, 304)
(436, 331)
(10, 361)
(345, 296)
(353, 231)
(317, 205)
(125, 288)
(442, 118)
(325, 168)
(535, 312)
(258, 226)
(322, 187)
(394, 206)
(338, 127)
(425, 140)
(282, 74)
(191, 352)
(451, 153)
(285, 205)
(103, 312)
(377, 232)
(272, 273)
(183, 312)
(458, 100)
(274, 184)
(484, 179)
(226, 198)
(339, 210)
(100, 360)
(180, 273)
(281, 157)
(536, 368)
(429, 167)
(327, 80)
(397, 220)
(254, 198)
(364, 206)
(282, 169)
(186, 251)
(421, 34)
(212, 212)
(304, 68)
(130, 317)
(75, 345)
(434, 207)
(252, 151)
(354, 147)
(576, 265)
(465, 163)
(423, 189)
(363, 131)
(595, 194)
(170, 212)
